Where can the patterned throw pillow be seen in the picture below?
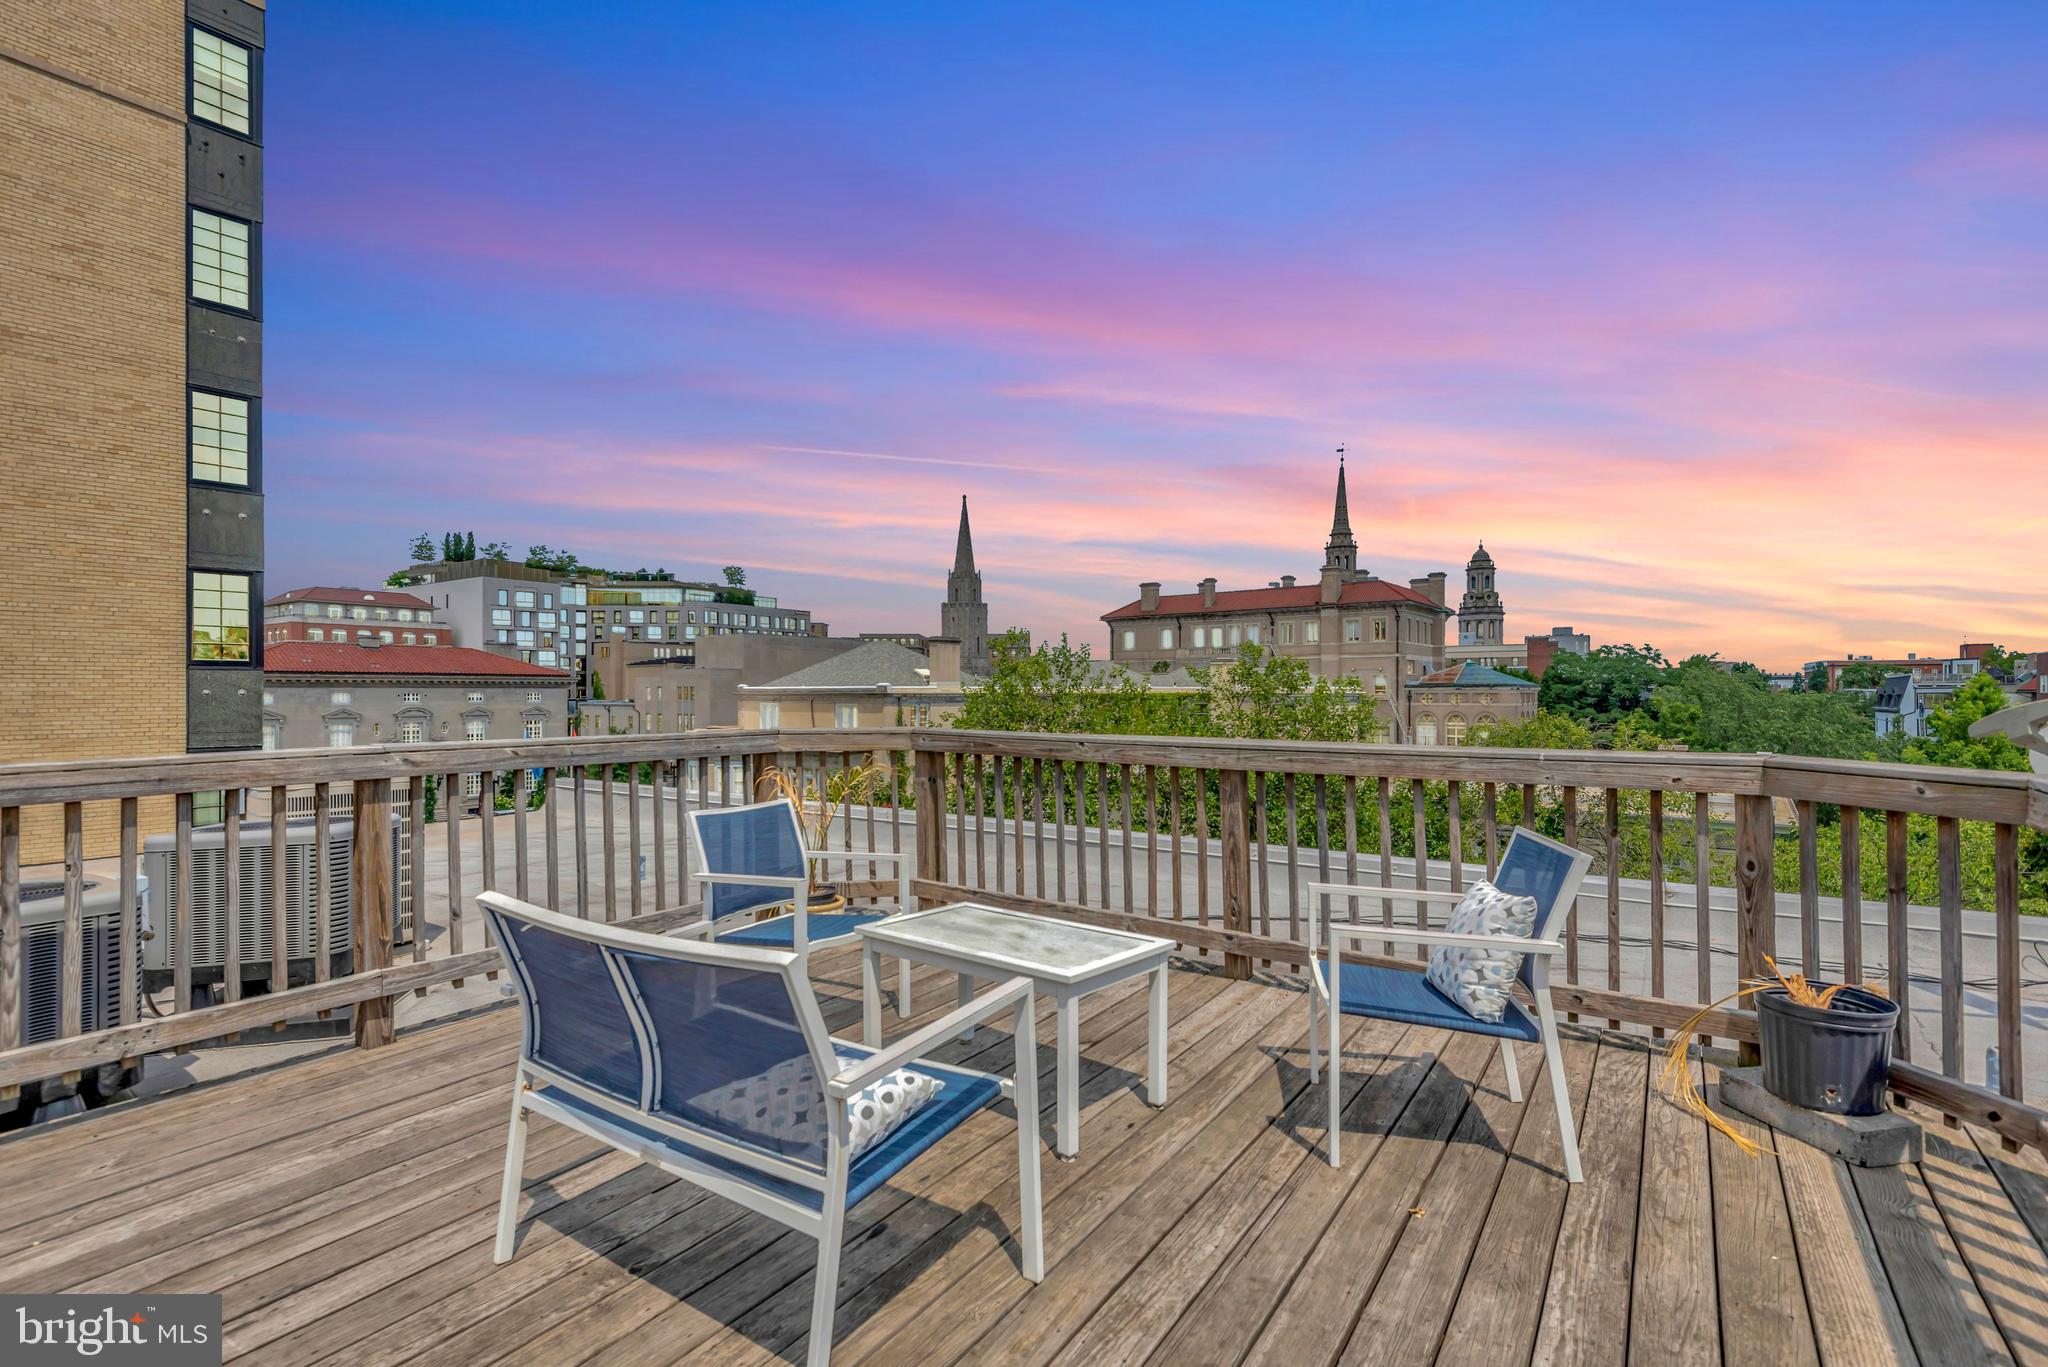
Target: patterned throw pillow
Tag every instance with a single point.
(879, 1109)
(1479, 979)
(785, 1102)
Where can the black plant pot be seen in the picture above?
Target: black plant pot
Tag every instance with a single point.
(1833, 1060)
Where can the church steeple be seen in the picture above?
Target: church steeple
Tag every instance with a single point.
(1341, 552)
(964, 616)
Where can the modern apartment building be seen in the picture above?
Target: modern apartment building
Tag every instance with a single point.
(131, 210)
(386, 616)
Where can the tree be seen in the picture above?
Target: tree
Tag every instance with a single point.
(469, 545)
(2002, 662)
(401, 580)
(1543, 731)
(496, 550)
(1704, 707)
(735, 576)
(596, 686)
(422, 549)
(1863, 674)
(1261, 696)
(1817, 679)
(1949, 741)
(1600, 688)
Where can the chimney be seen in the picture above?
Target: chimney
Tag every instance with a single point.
(942, 656)
(1333, 584)
(1286, 581)
(1208, 588)
(1148, 595)
(1430, 586)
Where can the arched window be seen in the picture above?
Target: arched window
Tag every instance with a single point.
(1425, 731)
(1454, 730)
(1166, 638)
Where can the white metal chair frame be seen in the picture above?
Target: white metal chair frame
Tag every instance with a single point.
(1541, 948)
(799, 889)
(534, 1080)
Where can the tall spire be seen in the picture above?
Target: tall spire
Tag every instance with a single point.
(1341, 552)
(963, 549)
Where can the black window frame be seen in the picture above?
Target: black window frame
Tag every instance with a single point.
(255, 660)
(254, 137)
(254, 310)
(255, 484)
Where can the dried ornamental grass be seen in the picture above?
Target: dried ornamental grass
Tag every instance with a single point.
(1683, 1089)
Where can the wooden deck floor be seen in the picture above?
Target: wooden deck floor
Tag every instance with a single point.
(342, 1209)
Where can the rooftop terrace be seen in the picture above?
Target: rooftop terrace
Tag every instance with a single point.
(342, 1202)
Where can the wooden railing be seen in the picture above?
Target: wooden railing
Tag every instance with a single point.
(1705, 865)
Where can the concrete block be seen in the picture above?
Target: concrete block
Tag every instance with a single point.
(1869, 1141)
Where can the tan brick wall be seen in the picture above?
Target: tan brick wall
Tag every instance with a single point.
(92, 424)
(131, 48)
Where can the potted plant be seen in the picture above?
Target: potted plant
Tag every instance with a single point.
(1825, 1046)
(818, 803)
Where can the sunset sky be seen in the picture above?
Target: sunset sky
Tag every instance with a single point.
(1725, 327)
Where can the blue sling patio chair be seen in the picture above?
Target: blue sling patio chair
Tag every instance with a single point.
(753, 857)
(1532, 866)
(712, 1062)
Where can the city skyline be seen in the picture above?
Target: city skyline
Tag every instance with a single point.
(1694, 321)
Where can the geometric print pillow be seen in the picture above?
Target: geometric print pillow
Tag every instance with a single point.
(1479, 979)
(786, 1102)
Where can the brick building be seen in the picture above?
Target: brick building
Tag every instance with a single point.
(130, 381)
(325, 615)
(1350, 624)
(345, 695)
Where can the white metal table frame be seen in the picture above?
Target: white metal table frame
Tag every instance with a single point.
(898, 938)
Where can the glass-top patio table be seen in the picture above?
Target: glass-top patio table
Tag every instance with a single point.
(1065, 960)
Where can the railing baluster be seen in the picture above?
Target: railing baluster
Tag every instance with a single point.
(957, 765)
(2005, 862)
(980, 766)
(1293, 819)
(633, 834)
(581, 832)
(278, 946)
(1322, 854)
(1756, 896)
(522, 781)
(1571, 916)
(416, 864)
(1059, 827)
(1419, 807)
(1385, 792)
(181, 910)
(1020, 784)
(1201, 848)
(1102, 826)
(1657, 899)
(451, 817)
(130, 912)
(1350, 845)
(1040, 791)
(1152, 839)
(1173, 820)
(1454, 819)
(1233, 828)
(1258, 847)
(1613, 856)
(1809, 890)
(1000, 793)
(322, 883)
(1852, 895)
(231, 860)
(1492, 831)
(1703, 897)
(1948, 839)
(10, 937)
(372, 882)
(660, 837)
(487, 837)
(608, 843)
(72, 973)
(1123, 789)
(1899, 980)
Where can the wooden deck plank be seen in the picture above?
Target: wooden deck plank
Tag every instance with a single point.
(1764, 1318)
(2010, 1269)
(1592, 1267)
(1191, 1212)
(1314, 1317)
(477, 1329)
(1500, 1302)
(1404, 1317)
(1855, 1316)
(765, 1322)
(2024, 1175)
(1228, 1313)
(1946, 1318)
(970, 1269)
(1674, 1305)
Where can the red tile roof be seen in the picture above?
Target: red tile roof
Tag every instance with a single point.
(326, 657)
(383, 598)
(1357, 593)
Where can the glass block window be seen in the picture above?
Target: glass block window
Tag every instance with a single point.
(220, 616)
(220, 259)
(220, 438)
(220, 81)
